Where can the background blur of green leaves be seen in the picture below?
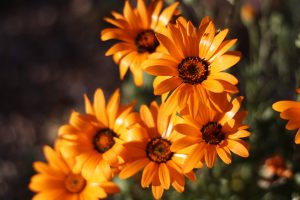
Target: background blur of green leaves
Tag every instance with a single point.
(51, 54)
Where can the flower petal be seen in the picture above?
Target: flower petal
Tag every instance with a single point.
(148, 174)
(225, 61)
(167, 85)
(213, 85)
(238, 147)
(224, 154)
(193, 159)
(160, 67)
(164, 175)
(188, 130)
(100, 107)
(133, 167)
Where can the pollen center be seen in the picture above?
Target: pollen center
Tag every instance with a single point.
(193, 70)
(146, 41)
(104, 140)
(212, 133)
(158, 150)
(75, 183)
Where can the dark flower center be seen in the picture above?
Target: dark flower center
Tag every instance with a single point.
(212, 133)
(146, 41)
(74, 183)
(104, 140)
(193, 70)
(158, 150)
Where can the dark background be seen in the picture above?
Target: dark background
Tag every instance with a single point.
(50, 55)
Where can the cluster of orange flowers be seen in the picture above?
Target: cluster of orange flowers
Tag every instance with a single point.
(197, 122)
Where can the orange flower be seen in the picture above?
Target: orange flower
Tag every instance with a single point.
(193, 65)
(274, 172)
(278, 167)
(57, 180)
(290, 110)
(248, 13)
(151, 152)
(136, 30)
(91, 137)
(209, 133)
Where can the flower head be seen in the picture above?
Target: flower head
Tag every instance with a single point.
(136, 28)
(151, 152)
(192, 67)
(208, 133)
(57, 180)
(290, 110)
(274, 172)
(91, 137)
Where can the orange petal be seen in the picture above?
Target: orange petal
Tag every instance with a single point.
(188, 130)
(155, 14)
(142, 10)
(225, 61)
(170, 46)
(113, 107)
(161, 67)
(120, 23)
(283, 105)
(42, 182)
(125, 62)
(116, 33)
(164, 175)
(223, 48)
(133, 167)
(100, 107)
(290, 113)
(238, 147)
(148, 173)
(89, 109)
(293, 124)
(167, 85)
(193, 159)
(172, 101)
(80, 122)
(147, 116)
(157, 191)
(184, 142)
(213, 85)
(218, 39)
(119, 47)
(167, 14)
(224, 76)
(224, 154)
(109, 187)
(206, 39)
(239, 134)
(130, 16)
(210, 155)
(55, 160)
(49, 194)
(46, 169)
(89, 167)
(178, 187)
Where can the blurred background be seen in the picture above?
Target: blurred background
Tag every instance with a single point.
(51, 55)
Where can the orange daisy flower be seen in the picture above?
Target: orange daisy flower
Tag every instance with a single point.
(151, 152)
(91, 137)
(209, 133)
(136, 29)
(290, 110)
(57, 180)
(193, 65)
